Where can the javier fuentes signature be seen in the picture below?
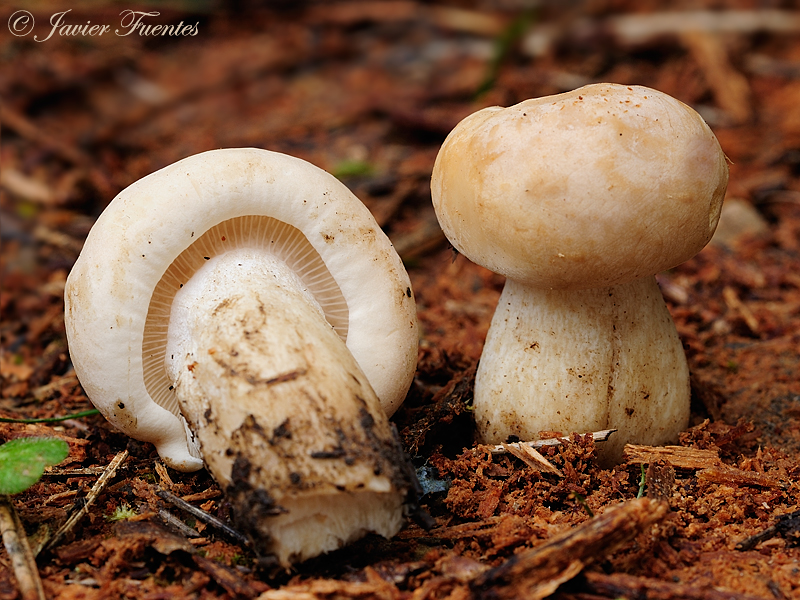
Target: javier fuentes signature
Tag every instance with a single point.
(21, 24)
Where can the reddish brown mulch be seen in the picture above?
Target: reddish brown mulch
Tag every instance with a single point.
(372, 88)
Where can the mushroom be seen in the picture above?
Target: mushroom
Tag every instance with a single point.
(579, 199)
(243, 308)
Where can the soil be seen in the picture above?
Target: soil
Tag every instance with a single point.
(368, 90)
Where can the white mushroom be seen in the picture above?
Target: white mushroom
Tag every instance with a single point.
(578, 199)
(251, 295)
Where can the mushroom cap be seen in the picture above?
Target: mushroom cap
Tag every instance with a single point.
(591, 188)
(154, 220)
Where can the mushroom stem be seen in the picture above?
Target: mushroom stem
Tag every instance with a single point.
(582, 360)
(287, 422)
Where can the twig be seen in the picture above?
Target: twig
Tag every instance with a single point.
(531, 457)
(72, 154)
(597, 436)
(786, 525)
(78, 415)
(27, 129)
(97, 488)
(22, 559)
(205, 517)
(175, 522)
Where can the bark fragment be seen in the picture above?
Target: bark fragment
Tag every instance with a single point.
(538, 573)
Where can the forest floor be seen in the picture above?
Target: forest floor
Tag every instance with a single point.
(368, 91)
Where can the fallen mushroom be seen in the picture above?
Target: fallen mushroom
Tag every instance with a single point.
(579, 199)
(242, 307)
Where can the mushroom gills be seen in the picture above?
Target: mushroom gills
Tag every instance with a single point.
(286, 421)
(257, 232)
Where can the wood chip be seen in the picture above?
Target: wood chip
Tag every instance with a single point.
(226, 577)
(622, 585)
(533, 458)
(319, 589)
(537, 573)
(736, 477)
(164, 479)
(679, 457)
(740, 309)
(659, 481)
(208, 494)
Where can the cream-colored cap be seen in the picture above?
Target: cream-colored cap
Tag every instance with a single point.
(590, 188)
(133, 246)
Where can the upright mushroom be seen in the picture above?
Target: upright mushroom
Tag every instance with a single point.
(241, 307)
(579, 199)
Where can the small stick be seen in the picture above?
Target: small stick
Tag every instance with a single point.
(175, 522)
(531, 457)
(97, 488)
(22, 559)
(85, 471)
(205, 517)
(27, 129)
(597, 436)
(786, 524)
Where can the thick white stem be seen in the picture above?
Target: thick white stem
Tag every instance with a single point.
(286, 421)
(585, 360)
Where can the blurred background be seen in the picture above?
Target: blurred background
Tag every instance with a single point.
(368, 90)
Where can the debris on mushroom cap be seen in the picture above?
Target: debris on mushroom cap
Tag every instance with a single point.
(153, 222)
(578, 199)
(593, 187)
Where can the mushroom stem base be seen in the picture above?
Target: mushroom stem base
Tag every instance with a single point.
(583, 360)
(286, 421)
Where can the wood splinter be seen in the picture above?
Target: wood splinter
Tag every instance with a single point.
(597, 436)
(537, 573)
(19, 552)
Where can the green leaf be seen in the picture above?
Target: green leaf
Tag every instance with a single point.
(22, 461)
(352, 168)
